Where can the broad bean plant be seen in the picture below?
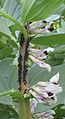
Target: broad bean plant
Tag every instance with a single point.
(32, 59)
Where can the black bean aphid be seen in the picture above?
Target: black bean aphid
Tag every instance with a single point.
(25, 71)
(22, 62)
(46, 53)
(21, 39)
(51, 29)
(19, 58)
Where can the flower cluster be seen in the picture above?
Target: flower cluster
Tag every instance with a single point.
(38, 27)
(45, 93)
(40, 115)
(37, 56)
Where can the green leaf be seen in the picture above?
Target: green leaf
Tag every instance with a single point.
(17, 23)
(52, 18)
(33, 10)
(53, 61)
(8, 112)
(12, 9)
(59, 52)
(49, 39)
(62, 29)
(4, 28)
(64, 13)
(6, 52)
(1, 3)
(60, 10)
(12, 92)
(2, 45)
(7, 47)
(11, 14)
(9, 73)
(60, 111)
(5, 15)
(57, 56)
(8, 78)
(59, 49)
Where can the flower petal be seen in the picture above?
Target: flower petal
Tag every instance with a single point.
(37, 53)
(44, 65)
(40, 63)
(36, 25)
(40, 31)
(55, 78)
(44, 115)
(33, 104)
(53, 88)
(49, 49)
(41, 83)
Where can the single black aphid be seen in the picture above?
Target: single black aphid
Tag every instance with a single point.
(51, 27)
(21, 39)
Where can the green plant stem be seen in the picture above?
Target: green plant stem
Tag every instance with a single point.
(25, 112)
(21, 109)
(25, 109)
(10, 18)
(24, 32)
(18, 24)
(28, 112)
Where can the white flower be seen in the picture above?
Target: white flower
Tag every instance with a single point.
(40, 54)
(44, 115)
(37, 56)
(45, 92)
(55, 78)
(52, 18)
(53, 86)
(44, 65)
(40, 31)
(37, 53)
(40, 63)
(36, 25)
(49, 49)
